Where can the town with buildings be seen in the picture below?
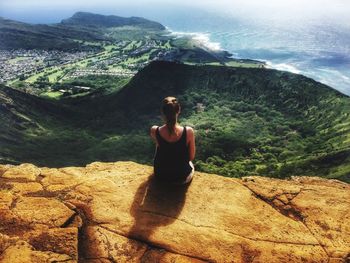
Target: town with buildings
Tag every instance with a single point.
(19, 63)
(29, 69)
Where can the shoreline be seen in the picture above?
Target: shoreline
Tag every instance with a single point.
(324, 75)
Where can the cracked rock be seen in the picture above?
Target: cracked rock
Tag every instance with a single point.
(41, 210)
(322, 205)
(117, 212)
(24, 171)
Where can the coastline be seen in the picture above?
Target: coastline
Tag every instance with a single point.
(324, 75)
(202, 38)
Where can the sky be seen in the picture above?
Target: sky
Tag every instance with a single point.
(46, 10)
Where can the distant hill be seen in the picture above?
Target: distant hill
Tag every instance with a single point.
(68, 34)
(96, 20)
(247, 121)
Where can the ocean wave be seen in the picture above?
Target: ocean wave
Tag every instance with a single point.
(334, 78)
(202, 38)
(283, 67)
(336, 73)
(283, 59)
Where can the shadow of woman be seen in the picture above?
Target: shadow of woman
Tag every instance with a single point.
(155, 204)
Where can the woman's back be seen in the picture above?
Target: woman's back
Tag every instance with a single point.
(175, 146)
(164, 133)
(171, 161)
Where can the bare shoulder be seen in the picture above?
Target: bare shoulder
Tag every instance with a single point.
(189, 130)
(153, 129)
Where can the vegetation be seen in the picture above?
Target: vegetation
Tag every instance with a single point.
(247, 121)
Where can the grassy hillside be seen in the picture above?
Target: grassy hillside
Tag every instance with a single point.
(247, 121)
(23, 118)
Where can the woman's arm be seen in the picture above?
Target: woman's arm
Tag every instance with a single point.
(191, 143)
(153, 133)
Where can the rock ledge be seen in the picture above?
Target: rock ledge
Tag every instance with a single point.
(116, 212)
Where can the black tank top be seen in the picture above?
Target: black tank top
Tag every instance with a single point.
(171, 161)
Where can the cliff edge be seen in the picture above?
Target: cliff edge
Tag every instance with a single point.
(116, 212)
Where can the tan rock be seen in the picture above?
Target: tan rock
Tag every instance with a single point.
(23, 253)
(73, 171)
(98, 260)
(24, 171)
(56, 180)
(125, 216)
(162, 256)
(6, 241)
(322, 205)
(101, 243)
(75, 221)
(58, 240)
(19, 251)
(154, 213)
(4, 168)
(25, 188)
(6, 199)
(41, 210)
(312, 180)
(10, 222)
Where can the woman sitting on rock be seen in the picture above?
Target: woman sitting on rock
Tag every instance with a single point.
(175, 146)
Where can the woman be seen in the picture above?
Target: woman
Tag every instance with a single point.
(175, 146)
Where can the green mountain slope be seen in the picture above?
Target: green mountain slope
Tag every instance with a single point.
(23, 117)
(247, 121)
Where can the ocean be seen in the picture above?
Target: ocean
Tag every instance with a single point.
(319, 50)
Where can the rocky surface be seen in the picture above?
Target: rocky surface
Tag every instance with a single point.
(116, 212)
